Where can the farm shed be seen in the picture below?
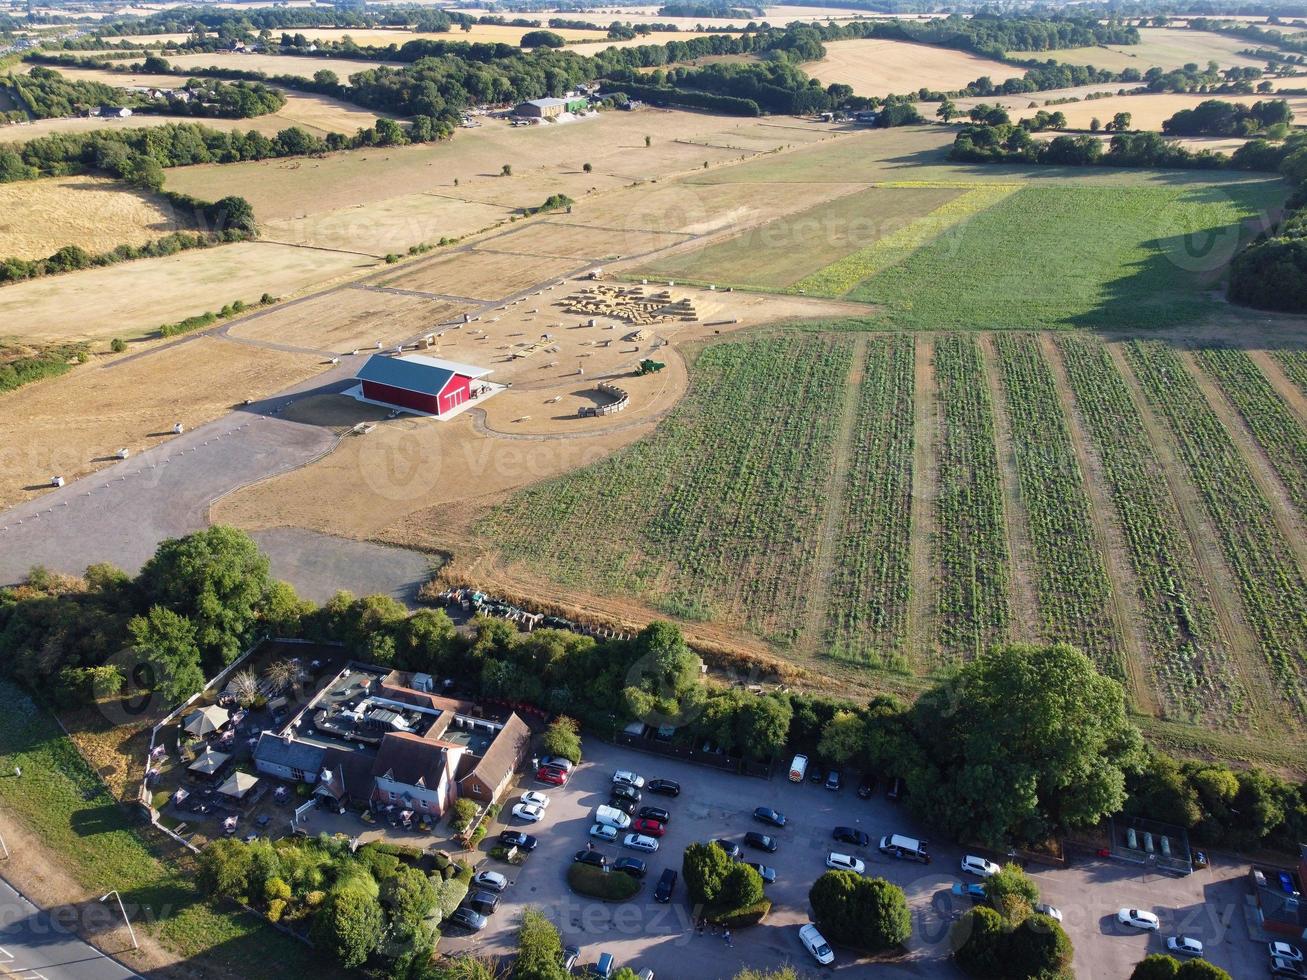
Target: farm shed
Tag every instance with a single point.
(419, 383)
(549, 108)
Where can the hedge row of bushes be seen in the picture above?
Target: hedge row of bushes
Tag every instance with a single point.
(71, 258)
(610, 886)
(206, 319)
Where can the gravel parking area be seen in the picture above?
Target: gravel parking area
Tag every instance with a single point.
(643, 934)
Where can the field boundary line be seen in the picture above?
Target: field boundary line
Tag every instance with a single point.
(317, 248)
(1227, 605)
(923, 587)
(1108, 532)
(1282, 383)
(818, 613)
(419, 294)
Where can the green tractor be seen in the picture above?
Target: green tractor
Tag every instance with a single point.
(649, 366)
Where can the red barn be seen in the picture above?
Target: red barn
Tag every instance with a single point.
(418, 383)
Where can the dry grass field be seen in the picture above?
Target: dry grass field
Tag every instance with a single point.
(38, 217)
(1162, 47)
(1146, 111)
(483, 275)
(121, 403)
(134, 298)
(879, 67)
(276, 64)
(594, 47)
(343, 320)
(561, 236)
(381, 37)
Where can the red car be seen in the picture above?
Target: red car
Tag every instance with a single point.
(650, 828)
(553, 777)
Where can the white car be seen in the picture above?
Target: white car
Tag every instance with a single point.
(529, 812)
(1285, 951)
(1184, 946)
(1043, 908)
(974, 865)
(844, 862)
(532, 798)
(639, 842)
(491, 881)
(603, 832)
(1139, 918)
(624, 777)
(557, 762)
(816, 945)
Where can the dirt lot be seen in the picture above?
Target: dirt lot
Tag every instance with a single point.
(38, 217)
(879, 67)
(132, 299)
(342, 320)
(131, 403)
(1163, 47)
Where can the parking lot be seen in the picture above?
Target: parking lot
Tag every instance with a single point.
(1208, 904)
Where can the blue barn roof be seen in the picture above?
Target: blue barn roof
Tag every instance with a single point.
(426, 375)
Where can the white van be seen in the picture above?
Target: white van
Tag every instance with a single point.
(907, 848)
(610, 816)
(798, 768)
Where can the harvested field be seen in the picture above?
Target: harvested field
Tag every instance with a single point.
(38, 217)
(561, 236)
(1161, 47)
(133, 299)
(779, 253)
(881, 67)
(129, 403)
(480, 274)
(276, 64)
(1146, 111)
(594, 47)
(342, 320)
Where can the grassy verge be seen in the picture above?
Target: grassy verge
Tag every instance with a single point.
(60, 800)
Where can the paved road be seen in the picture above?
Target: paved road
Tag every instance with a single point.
(34, 946)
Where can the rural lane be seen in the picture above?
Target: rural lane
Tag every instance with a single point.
(34, 944)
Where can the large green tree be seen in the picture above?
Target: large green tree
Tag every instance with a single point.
(1012, 893)
(1023, 742)
(1158, 966)
(563, 737)
(704, 868)
(869, 913)
(539, 949)
(167, 642)
(349, 927)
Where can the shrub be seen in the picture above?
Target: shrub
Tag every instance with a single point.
(704, 868)
(869, 913)
(449, 893)
(563, 738)
(539, 949)
(464, 812)
(1158, 966)
(117, 345)
(749, 915)
(1012, 893)
(585, 879)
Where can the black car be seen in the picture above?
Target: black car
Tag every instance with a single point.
(515, 838)
(895, 789)
(483, 902)
(731, 848)
(816, 774)
(467, 918)
(666, 883)
(590, 857)
(655, 813)
(834, 779)
(763, 842)
(626, 793)
(769, 816)
(866, 787)
(626, 806)
(664, 787)
(630, 866)
(767, 874)
(851, 835)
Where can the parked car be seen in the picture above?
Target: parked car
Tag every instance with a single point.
(815, 943)
(798, 768)
(529, 813)
(1043, 908)
(834, 779)
(640, 842)
(973, 891)
(590, 857)
(603, 832)
(491, 881)
(1293, 969)
(624, 777)
(558, 762)
(612, 816)
(533, 798)
(626, 806)
(768, 874)
(1284, 951)
(655, 813)
(483, 902)
(767, 815)
(622, 792)
(605, 966)
(554, 777)
(515, 838)
(666, 885)
(652, 828)
(1139, 919)
(467, 918)
(973, 864)
(866, 787)
(816, 774)
(851, 835)
(844, 862)
(763, 842)
(1183, 946)
(570, 955)
(894, 791)
(905, 848)
(731, 848)
(664, 787)
(630, 866)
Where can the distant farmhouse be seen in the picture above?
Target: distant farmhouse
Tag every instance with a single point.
(551, 108)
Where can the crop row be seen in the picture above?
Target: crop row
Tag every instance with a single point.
(1294, 363)
(720, 511)
(1269, 581)
(972, 543)
(1270, 420)
(868, 592)
(1072, 587)
(1192, 675)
